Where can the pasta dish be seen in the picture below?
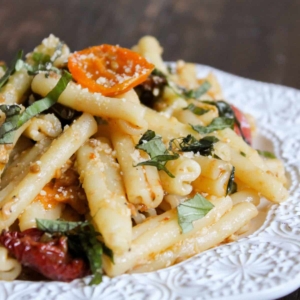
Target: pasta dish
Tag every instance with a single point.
(114, 162)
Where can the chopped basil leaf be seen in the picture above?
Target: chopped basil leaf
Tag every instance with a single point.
(243, 153)
(56, 225)
(40, 58)
(180, 91)
(43, 62)
(45, 103)
(192, 210)
(266, 154)
(226, 111)
(231, 186)
(93, 250)
(189, 143)
(196, 110)
(159, 155)
(82, 240)
(219, 123)
(223, 107)
(15, 118)
(11, 69)
(198, 92)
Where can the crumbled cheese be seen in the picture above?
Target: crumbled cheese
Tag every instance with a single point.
(43, 193)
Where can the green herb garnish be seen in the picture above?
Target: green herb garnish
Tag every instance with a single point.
(82, 240)
(198, 92)
(196, 110)
(219, 123)
(159, 155)
(189, 143)
(192, 210)
(266, 154)
(243, 153)
(225, 110)
(43, 62)
(231, 186)
(15, 118)
(9, 71)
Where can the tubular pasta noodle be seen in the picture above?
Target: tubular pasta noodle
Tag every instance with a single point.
(188, 117)
(228, 136)
(187, 75)
(21, 164)
(94, 103)
(203, 239)
(211, 167)
(168, 128)
(10, 268)
(148, 192)
(37, 209)
(58, 153)
(158, 233)
(5, 150)
(149, 48)
(257, 179)
(16, 88)
(185, 171)
(103, 185)
(246, 195)
(43, 126)
(212, 186)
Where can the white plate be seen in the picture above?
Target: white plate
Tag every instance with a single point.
(264, 265)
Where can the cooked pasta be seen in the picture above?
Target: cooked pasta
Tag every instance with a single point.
(124, 165)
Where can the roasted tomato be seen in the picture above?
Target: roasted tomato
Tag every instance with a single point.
(109, 70)
(49, 257)
(243, 127)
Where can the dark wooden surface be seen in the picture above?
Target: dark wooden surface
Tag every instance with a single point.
(259, 39)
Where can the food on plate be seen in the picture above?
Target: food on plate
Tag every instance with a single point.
(113, 162)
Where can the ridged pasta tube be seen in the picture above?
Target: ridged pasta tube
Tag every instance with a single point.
(43, 126)
(80, 99)
(142, 183)
(102, 182)
(159, 233)
(185, 171)
(56, 155)
(202, 239)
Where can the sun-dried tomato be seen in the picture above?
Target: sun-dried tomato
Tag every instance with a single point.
(50, 257)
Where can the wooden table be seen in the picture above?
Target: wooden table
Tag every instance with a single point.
(254, 39)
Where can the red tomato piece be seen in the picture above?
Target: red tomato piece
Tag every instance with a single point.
(243, 129)
(109, 70)
(49, 258)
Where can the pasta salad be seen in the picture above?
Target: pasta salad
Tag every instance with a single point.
(113, 162)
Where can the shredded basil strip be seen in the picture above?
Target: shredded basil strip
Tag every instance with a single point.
(198, 92)
(43, 62)
(159, 155)
(218, 123)
(9, 71)
(226, 111)
(189, 143)
(15, 119)
(266, 154)
(180, 91)
(82, 240)
(243, 153)
(199, 111)
(192, 210)
(45, 103)
(231, 186)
